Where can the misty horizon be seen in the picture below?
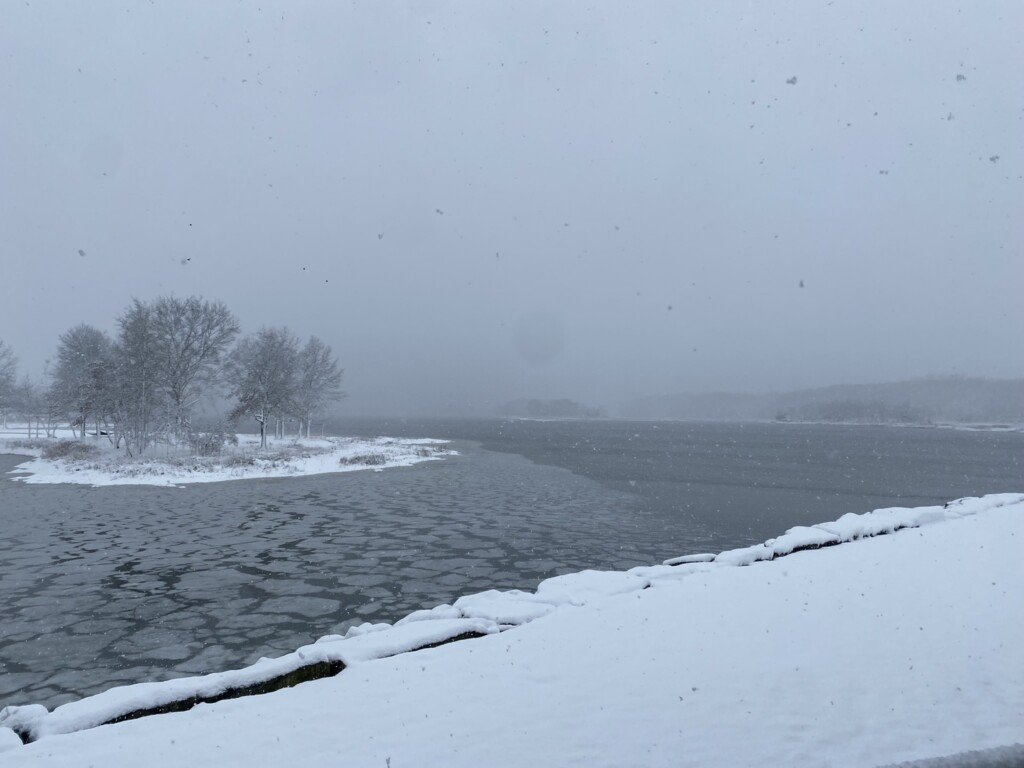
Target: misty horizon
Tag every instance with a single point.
(472, 205)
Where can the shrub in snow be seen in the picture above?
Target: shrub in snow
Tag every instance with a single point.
(369, 459)
(32, 444)
(212, 443)
(69, 449)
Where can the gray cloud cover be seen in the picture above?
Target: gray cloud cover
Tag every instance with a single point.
(478, 201)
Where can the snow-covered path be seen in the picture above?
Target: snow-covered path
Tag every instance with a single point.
(881, 650)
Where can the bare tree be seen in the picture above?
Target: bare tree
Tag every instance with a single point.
(8, 372)
(262, 372)
(32, 405)
(136, 396)
(190, 337)
(319, 382)
(80, 388)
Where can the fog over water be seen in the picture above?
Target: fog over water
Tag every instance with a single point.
(479, 202)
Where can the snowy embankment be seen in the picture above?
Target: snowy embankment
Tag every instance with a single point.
(881, 650)
(286, 458)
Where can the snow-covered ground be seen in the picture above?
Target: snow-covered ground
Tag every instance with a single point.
(282, 458)
(886, 648)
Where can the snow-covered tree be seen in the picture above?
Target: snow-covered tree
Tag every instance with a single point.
(32, 403)
(262, 372)
(8, 372)
(81, 379)
(319, 382)
(190, 337)
(137, 393)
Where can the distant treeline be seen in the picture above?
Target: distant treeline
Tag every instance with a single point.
(945, 399)
(550, 409)
(856, 412)
(141, 386)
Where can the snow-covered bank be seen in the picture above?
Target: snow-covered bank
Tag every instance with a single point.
(882, 650)
(286, 459)
(958, 426)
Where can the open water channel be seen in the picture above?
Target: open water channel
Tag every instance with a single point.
(105, 586)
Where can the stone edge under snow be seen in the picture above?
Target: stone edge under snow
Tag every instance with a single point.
(472, 615)
(358, 646)
(850, 527)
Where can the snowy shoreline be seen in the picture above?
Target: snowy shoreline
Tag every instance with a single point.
(924, 663)
(951, 425)
(287, 458)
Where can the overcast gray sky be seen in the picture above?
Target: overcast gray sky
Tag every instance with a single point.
(473, 202)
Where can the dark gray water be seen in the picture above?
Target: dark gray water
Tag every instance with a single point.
(101, 586)
(743, 483)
